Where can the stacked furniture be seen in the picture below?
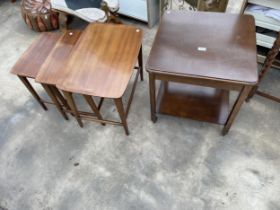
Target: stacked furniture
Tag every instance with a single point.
(60, 63)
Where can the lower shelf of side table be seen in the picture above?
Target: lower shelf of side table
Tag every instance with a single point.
(194, 102)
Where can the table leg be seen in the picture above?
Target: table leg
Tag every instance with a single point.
(252, 93)
(140, 63)
(73, 107)
(237, 105)
(93, 107)
(55, 101)
(33, 92)
(60, 97)
(120, 109)
(152, 84)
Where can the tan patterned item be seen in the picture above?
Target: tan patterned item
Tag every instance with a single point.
(38, 15)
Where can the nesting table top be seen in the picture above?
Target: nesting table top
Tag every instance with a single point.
(53, 69)
(102, 60)
(33, 58)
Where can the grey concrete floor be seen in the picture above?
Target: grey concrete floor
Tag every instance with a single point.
(47, 163)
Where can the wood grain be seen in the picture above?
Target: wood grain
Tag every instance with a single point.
(33, 58)
(53, 68)
(102, 61)
(229, 42)
(195, 102)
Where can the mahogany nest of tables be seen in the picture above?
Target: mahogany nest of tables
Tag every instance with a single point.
(99, 62)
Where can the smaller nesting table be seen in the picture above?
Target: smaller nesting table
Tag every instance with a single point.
(29, 64)
(199, 57)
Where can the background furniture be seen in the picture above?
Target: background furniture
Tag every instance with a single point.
(88, 10)
(38, 15)
(264, 22)
(217, 61)
(266, 67)
(201, 5)
(144, 10)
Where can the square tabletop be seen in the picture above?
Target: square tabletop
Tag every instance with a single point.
(216, 46)
(33, 58)
(53, 68)
(102, 60)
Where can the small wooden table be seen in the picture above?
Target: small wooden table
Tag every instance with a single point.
(53, 68)
(101, 64)
(29, 64)
(199, 57)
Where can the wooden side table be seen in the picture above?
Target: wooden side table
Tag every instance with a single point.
(31, 61)
(50, 73)
(198, 63)
(101, 64)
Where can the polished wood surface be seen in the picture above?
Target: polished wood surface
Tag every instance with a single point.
(33, 58)
(217, 46)
(194, 102)
(102, 61)
(53, 68)
(30, 64)
(203, 49)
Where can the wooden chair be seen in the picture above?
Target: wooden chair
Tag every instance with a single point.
(271, 56)
(88, 10)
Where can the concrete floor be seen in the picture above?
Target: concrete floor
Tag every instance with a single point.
(47, 163)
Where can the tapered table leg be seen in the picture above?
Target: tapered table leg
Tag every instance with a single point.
(238, 103)
(33, 92)
(120, 108)
(93, 106)
(140, 63)
(55, 101)
(60, 97)
(73, 107)
(152, 86)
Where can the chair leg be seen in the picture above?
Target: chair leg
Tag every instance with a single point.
(265, 95)
(112, 17)
(55, 101)
(122, 114)
(252, 93)
(33, 92)
(73, 107)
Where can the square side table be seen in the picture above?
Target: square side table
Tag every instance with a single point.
(211, 52)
